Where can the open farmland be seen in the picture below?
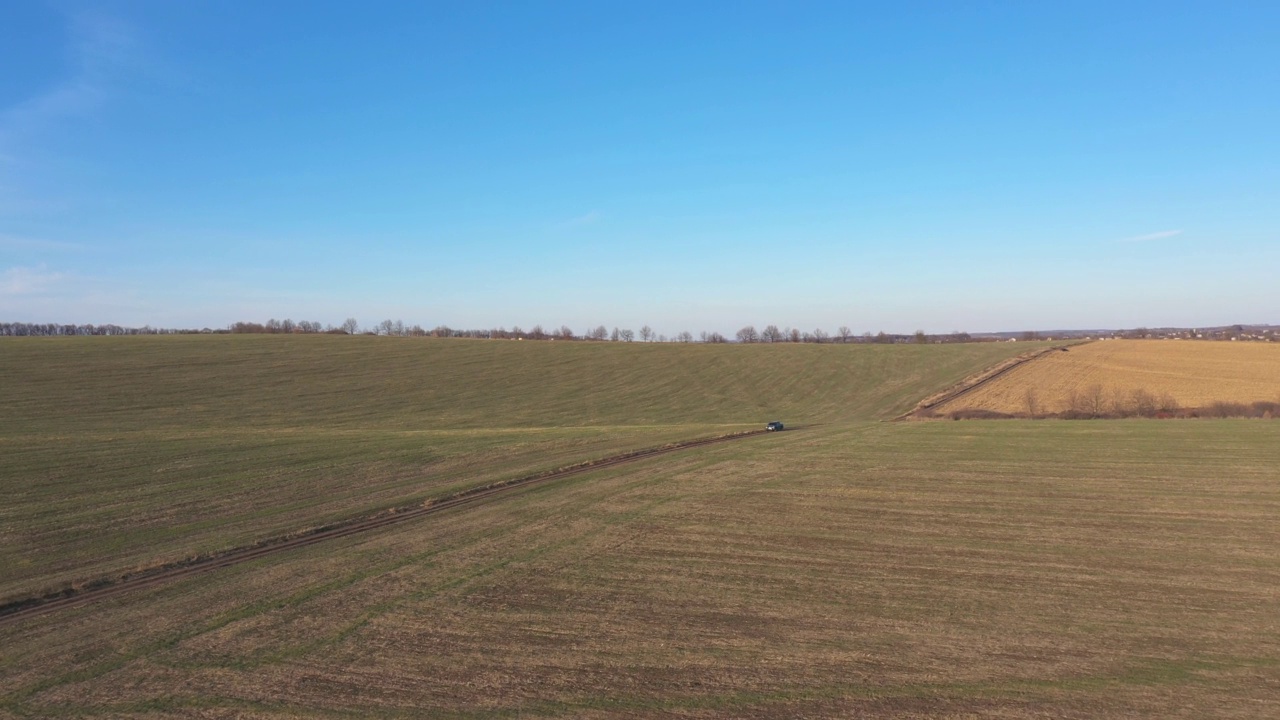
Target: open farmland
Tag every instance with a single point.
(848, 567)
(1191, 374)
(119, 454)
(906, 569)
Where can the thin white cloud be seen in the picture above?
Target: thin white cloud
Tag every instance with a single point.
(103, 44)
(590, 218)
(40, 294)
(104, 56)
(73, 98)
(28, 281)
(1163, 234)
(103, 49)
(16, 243)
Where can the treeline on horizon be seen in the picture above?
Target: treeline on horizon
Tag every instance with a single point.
(748, 334)
(397, 328)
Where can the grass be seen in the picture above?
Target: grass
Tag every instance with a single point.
(63, 386)
(124, 453)
(1190, 374)
(930, 569)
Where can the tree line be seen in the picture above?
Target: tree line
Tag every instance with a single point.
(748, 334)
(774, 334)
(397, 328)
(21, 329)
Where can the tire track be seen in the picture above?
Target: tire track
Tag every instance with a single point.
(964, 389)
(102, 589)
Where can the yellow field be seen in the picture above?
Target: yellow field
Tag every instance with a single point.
(1194, 374)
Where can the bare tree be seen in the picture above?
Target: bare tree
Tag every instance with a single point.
(1095, 400)
(616, 335)
(1075, 402)
(684, 336)
(537, 333)
(627, 335)
(845, 333)
(772, 334)
(921, 338)
(600, 333)
(1032, 402)
(564, 333)
(794, 335)
(1144, 403)
(748, 334)
(820, 336)
(646, 334)
(1119, 401)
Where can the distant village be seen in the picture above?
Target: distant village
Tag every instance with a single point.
(1239, 333)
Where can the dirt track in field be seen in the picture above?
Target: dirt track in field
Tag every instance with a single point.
(105, 588)
(975, 382)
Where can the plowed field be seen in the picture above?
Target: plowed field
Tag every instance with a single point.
(1194, 374)
(853, 570)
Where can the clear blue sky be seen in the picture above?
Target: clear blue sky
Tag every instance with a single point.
(693, 166)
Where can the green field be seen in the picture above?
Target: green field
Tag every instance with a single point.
(125, 453)
(852, 567)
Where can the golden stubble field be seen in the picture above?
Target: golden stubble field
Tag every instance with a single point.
(1193, 374)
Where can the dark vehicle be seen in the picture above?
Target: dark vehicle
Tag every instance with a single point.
(774, 426)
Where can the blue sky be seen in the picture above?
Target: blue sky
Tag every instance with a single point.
(693, 166)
